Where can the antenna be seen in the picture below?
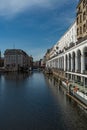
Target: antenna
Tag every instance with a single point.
(13, 46)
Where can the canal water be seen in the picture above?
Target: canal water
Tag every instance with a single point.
(33, 102)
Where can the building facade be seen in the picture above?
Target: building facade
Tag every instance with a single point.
(70, 60)
(67, 41)
(82, 20)
(1, 60)
(30, 63)
(15, 59)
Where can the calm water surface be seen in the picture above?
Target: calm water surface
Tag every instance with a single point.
(32, 102)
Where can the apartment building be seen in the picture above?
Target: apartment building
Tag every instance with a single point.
(68, 57)
(1, 60)
(67, 41)
(82, 20)
(69, 38)
(71, 58)
(15, 59)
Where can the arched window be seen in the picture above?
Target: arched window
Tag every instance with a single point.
(73, 63)
(85, 58)
(78, 61)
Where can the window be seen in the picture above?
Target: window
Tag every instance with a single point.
(79, 9)
(84, 15)
(84, 3)
(84, 28)
(80, 30)
(77, 20)
(80, 18)
(77, 31)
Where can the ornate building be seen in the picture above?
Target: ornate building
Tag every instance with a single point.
(1, 60)
(68, 58)
(69, 54)
(15, 59)
(82, 20)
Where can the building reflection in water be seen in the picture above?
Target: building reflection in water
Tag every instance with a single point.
(16, 76)
(60, 95)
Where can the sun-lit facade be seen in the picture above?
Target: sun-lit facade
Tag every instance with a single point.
(70, 59)
(82, 20)
(15, 59)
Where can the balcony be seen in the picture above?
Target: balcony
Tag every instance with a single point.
(57, 47)
(60, 51)
(72, 44)
(79, 12)
(81, 40)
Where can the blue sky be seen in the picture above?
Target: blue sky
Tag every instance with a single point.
(34, 25)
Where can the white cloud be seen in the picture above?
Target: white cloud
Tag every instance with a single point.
(12, 7)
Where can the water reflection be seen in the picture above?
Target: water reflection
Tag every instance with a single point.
(10, 81)
(16, 76)
(73, 115)
(36, 102)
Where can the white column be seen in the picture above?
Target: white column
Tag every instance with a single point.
(67, 63)
(64, 63)
(51, 64)
(61, 62)
(71, 63)
(76, 63)
(54, 63)
(58, 63)
(82, 63)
